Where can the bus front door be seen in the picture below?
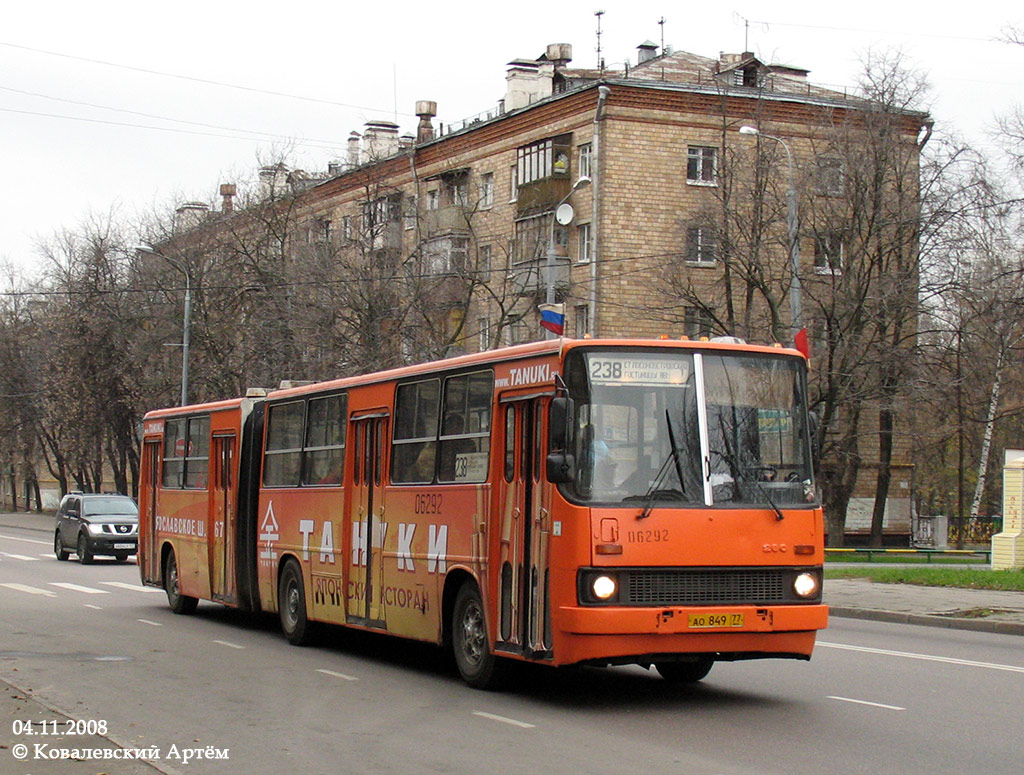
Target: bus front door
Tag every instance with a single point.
(365, 520)
(523, 617)
(148, 555)
(222, 516)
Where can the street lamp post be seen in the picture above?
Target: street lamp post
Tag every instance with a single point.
(792, 220)
(549, 296)
(186, 318)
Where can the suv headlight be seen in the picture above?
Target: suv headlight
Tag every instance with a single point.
(94, 530)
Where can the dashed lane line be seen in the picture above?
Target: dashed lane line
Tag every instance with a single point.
(78, 588)
(132, 587)
(865, 702)
(29, 590)
(229, 644)
(924, 657)
(24, 557)
(504, 720)
(338, 675)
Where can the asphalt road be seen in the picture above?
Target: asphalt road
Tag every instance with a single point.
(91, 642)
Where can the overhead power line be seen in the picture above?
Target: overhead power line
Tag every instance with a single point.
(207, 81)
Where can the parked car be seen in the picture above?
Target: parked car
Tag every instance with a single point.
(96, 523)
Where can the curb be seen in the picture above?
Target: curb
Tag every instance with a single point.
(928, 620)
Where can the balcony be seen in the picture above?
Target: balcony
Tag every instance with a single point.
(531, 277)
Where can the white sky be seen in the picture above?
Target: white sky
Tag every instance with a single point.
(63, 159)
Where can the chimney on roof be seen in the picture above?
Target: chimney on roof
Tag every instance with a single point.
(646, 51)
(380, 140)
(227, 195)
(273, 180)
(527, 82)
(559, 54)
(353, 149)
(425, 110)
(189, 215)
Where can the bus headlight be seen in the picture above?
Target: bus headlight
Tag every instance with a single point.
(604, 587)
(805, 585)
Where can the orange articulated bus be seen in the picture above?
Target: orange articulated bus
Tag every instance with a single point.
(564, 502)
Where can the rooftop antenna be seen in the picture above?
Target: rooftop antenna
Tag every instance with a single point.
(661, 23)
(600, 60)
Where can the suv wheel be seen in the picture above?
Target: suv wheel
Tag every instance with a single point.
(58, 548)
(84, 555)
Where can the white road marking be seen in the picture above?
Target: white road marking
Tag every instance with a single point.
(132, 587)
(229, 644)
(78, 588)
(24, 557)
(338, 675)
(29, 590)
(865, 702)
(925, 657)
(94, 607)
(147, 621)
(503, 719)
(28, 540)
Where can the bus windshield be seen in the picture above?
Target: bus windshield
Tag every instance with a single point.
(689, 429)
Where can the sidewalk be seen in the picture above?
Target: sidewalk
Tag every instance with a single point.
(964, 609)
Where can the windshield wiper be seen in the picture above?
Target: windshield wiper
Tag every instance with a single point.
(656, 491)
(738, 474)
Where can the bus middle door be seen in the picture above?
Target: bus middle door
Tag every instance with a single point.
(366, 520)
(222, 515)
(523, 618)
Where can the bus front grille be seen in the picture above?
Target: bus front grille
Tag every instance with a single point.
(751, 586)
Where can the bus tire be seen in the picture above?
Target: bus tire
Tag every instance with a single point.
(476, 664)
(178, 603)
(291, 604)
(682, 673)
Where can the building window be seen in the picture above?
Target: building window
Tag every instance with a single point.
(585, 158)
(531, 238)
(382, 210)
(701, 163)
(698, 322)
(485, 334)
(487, 190)
(433, 199)
(830, 174)
(828, 253)
(581, 322)
(513, 183)
(346, 227)
(701, 245)
(446, 255)
(484, 259)
(455, 187)
(583, 244)
(543, 159)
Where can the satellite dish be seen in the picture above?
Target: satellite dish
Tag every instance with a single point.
(564, 214)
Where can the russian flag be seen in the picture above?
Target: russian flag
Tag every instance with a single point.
(552, 317)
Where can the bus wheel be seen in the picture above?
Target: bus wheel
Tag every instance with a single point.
(291, 602)
(179, 603)
(477, 665)
(685, 672)
(58, 548)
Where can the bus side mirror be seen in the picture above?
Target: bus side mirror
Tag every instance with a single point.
(815, 440)
(561, 467)
(558, 422)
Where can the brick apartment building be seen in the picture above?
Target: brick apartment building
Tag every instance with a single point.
(677, 225)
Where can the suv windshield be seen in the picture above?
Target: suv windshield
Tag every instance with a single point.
(109, 507)
(689, 429)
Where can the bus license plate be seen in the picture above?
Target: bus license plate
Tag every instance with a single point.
(708, 621)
